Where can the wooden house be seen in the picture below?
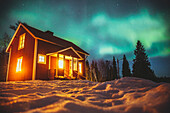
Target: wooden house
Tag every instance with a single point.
(34, 54)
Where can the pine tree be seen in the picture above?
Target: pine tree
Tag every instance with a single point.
(91, 71)
(111, 73)
(114, 68)
(107, 70)
(141, 64)
(87, 70)
(15, 26)
(3, 56)
(96, 72)
(125, 67)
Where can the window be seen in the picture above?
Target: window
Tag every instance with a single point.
(80, 67)
(19, 64)
(60, 63)
(21, 41)
(41, 59)
(75, 64)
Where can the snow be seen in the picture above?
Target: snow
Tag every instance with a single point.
(125, 95)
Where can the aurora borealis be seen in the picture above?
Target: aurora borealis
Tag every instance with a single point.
(101, 27)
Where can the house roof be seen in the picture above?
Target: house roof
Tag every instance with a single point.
(49, 37)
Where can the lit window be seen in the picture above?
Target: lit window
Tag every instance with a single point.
(19, 64)
(60, 63)
(21, 41)
(75, 64)
(80, 67)
(41, 59)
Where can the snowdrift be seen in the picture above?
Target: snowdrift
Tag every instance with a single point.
(126, 95)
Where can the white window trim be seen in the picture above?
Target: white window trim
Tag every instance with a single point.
(41, 55)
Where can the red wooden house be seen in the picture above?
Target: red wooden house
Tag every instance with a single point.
(34, 54)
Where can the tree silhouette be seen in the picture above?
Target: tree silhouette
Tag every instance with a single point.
(4, 42)
(3, 56)
(96, 71)
(141, 64)
(87, 70)
(14, 27)
(125, 67)
(114, 68)
(92, 78)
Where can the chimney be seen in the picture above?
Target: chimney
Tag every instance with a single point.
(49, 32)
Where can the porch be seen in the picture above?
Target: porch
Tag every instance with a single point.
(65, 64)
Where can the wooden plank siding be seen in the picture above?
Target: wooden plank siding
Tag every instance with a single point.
(26, 52)
(44, 48)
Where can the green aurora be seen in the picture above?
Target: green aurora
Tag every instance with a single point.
(104, 34)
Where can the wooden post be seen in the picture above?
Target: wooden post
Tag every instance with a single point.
(72, 65)
(8, 65)
(57, 65)
(77, 68)
(49, 66)
(35, 60)
(64, 64)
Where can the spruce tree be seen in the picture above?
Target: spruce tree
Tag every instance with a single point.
(141, 64)
(91, 71)
(96, 71)
(125, 67)
(114, 68)
(87, 70)
(107, 70)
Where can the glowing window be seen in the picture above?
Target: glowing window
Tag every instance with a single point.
(80, 67)
(60, 63)
(21, 41)
(75, 64)
(19, 64)
(41, 59)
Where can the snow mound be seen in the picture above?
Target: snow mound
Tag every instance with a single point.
(126, 95)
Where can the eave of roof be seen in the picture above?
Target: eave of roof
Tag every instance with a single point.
(66, 50)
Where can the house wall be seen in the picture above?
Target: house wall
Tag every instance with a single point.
(42, 69)
(44, 48)
(27, 53)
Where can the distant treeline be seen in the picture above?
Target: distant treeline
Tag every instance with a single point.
(3, 56)
(104, 70)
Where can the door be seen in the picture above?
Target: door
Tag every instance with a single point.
(52, 68)
(67, 65)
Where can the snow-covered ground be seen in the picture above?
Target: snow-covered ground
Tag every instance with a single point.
(126, 95)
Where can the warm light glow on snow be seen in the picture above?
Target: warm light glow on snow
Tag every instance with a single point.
(19, 64)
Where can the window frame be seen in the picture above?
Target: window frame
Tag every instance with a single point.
(80, 70)
(42, 56)
(19, 64)
(21, 41)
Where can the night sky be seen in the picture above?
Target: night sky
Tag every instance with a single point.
(104, 28)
